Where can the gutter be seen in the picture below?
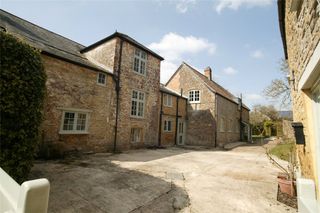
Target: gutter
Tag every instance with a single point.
(216, 115)
(117, 79)
(282, 25)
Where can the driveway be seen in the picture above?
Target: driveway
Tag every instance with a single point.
(164, 180)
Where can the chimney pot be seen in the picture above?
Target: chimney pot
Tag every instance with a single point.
(208, 73)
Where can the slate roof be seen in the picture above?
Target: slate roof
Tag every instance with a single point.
(165, 89)
(124, 37)
(215, 87)
(48, 42)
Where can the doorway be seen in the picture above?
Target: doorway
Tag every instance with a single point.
(181, 132)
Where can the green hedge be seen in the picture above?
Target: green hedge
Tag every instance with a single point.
(22, 90)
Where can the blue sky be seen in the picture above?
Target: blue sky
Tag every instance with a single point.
(238, 39)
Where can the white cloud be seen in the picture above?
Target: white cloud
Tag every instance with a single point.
(175, 48)
(236, 4)
(230, 71)
(257, 54)
(182, 6)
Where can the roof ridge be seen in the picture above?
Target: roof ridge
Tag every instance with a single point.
(41, 27)
(208, 79)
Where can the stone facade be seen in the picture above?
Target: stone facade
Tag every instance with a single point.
(300, 26)
(70, 86)
(174, 114)
(205, 116)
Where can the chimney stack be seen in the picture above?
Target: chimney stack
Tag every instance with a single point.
(208, 73)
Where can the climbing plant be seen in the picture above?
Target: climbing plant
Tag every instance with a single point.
(22, 90)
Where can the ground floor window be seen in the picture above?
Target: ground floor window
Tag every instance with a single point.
(136, 135)
(74, 122)
(167, 126)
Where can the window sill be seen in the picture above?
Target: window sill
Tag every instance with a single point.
(138, 73)
(102, 85)
(194, 102)
(168, 106)
(72, 133)
(136, 117)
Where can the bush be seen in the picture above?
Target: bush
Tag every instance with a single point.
(22, 90)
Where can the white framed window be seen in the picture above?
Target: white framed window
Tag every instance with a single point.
(74, 121)
(101, 78)
(140, 62)
(137, 103)
(194, 96)
(136, 135)
(222, 124)
(167, 100)
(167, 127)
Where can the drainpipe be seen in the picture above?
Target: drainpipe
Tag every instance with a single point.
(240, 103)
(177, 109)
(160, 120)
(216, 115)
(117, 79)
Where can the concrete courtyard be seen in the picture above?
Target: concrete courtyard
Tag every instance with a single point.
(164, 180)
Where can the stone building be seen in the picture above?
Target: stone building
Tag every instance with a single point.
(215, 116)
(99, 98)
(173, 118)
(300, 30)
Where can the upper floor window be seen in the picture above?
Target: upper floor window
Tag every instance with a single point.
(101, 79)
(74, 122)
(137, 103)
(140, 61)
(194, 96)
(167, 100)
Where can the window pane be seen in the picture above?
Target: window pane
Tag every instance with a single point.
(81, 122)
(137, 52)
(101, 78)
(196, 96)
(169, 125)
(140, 112)
(134, 94)
(68, 121)
(136, 65)
(191, 96)
(169, 100)
(141, 96)
(134, 108)
(142, 67)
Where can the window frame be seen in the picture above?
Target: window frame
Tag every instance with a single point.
(166, 126)
(194, 96)
(105, 79)
(76, 113)
(137, 100)
(140, 59)
(132, 135)
(166, 98)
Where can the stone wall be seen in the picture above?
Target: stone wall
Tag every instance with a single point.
(150, 85)
(228, 116)
(287, 130)
(169, 138)
(302, 36)
(72, 86)
(201, 116)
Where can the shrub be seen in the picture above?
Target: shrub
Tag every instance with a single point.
(22, 90)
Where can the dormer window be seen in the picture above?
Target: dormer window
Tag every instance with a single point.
(140, 61)
(194, 96)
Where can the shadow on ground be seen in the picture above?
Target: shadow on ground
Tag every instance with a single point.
(95, 184)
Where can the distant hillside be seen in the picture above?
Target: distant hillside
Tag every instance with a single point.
(286, 115)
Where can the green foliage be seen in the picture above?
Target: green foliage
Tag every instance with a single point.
(283, 150)
(22, 90)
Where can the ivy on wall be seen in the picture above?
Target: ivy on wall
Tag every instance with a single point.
(22, 91)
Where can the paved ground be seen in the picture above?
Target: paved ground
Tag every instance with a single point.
(165, 180)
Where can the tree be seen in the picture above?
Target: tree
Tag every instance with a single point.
(262, 117)
(22, 90)
(279, 89)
